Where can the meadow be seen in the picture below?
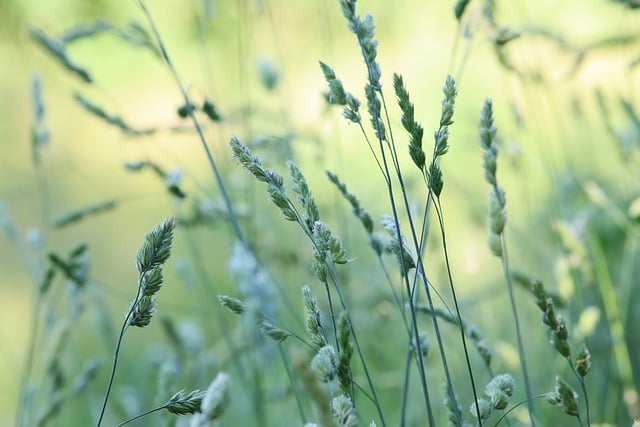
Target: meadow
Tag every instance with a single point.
(320, 213)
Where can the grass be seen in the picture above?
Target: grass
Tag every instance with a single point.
(294, 311)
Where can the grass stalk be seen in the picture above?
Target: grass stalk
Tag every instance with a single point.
(196, 124)
(457, 308)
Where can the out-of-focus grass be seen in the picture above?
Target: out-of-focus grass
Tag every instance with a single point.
(84, 161)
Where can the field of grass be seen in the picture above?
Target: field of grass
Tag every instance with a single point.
(320, 213)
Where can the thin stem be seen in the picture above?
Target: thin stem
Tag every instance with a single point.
(336, 281)
(405, 387)
(540, 396)
(151, 411)
(116, 353)
(26, 373)
(584, 390)
(292, 381)
(333, 315)
(455, 302)
(196, 124)
(512, 300)
(387, 177)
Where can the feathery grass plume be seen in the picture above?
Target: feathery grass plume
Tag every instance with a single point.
(313, 319)
(446, 116)
(408, 122)
(358, 210)
(152, 254)
(40, 135)
(234, 305)
(527, 282)
(327, 244)
(564, 397)
(497, 198)
(405, 260)
(374, 107)
(274, 181)
(274, 332)
(441, 136)
(337, 95)
(583, 362)
(559, 337)
(57, 49)
(345, 377)
(156, 248)
(111, 119)
(183, 404)
(325, 363)
(556, 324)
(498, 391)
(497, 220)
(77, 215)
(363, 28)
(364, 31)
(305, 198)
(343, 411)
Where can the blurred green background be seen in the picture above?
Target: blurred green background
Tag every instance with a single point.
(554, 139)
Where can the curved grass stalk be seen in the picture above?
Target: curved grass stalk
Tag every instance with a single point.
(455, 302)
(497, 240)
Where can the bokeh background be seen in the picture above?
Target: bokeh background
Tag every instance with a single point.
(563, 160)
